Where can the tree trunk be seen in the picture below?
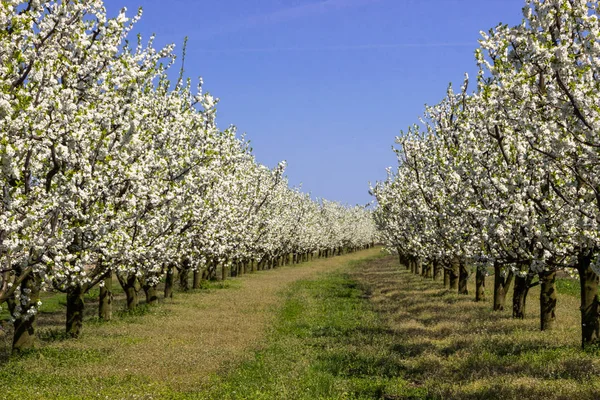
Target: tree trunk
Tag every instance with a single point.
(547, 299)
(590, 311)
(24, 328)
(128, 285)
(24, 334)
(480, 284)
(454, 273)
(75, 307)
(169, 278)
(446, 278)
(501, 287)
(184, 275)
(418, 266)
(522, 285)
(106, 299)
(197, 279)
(151, 294)
(463, 278)
(429, 272)
(437, 270)
(224, 271)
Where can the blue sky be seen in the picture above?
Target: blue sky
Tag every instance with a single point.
(324, 84)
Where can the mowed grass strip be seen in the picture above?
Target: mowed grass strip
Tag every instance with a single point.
(376, 331)
(327, 343)
(164, 351)
(454, 348)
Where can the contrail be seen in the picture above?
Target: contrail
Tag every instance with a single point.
(290, 13)
(337, 48)
(306, 10)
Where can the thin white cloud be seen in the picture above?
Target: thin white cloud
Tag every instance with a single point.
(291, 13)
(305, 10)
(337, 48)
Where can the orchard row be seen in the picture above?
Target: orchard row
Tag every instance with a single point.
(109, 167)
(506, 178)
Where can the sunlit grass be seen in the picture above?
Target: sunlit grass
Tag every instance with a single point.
(327, 343)
(453, 347)
(157, 352)
(379, 332)
(362, 330)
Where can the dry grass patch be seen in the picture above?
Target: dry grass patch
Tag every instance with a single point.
(175, 347)
(453, 347)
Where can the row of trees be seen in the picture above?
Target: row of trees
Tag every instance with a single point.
(109, 167)
(508, 176)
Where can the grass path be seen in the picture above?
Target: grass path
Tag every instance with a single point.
(373, 330)
(351, 327)
(175, 348)
(327, 343)
(449, 346)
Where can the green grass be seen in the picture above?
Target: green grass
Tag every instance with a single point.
(568, 286)
(454, 347)
(327, 343)
(51, 302)
(376, 331)
(370, 330)
(56, 302)
(165, 352)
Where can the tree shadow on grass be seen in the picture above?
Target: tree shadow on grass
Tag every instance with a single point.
(460, 348)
